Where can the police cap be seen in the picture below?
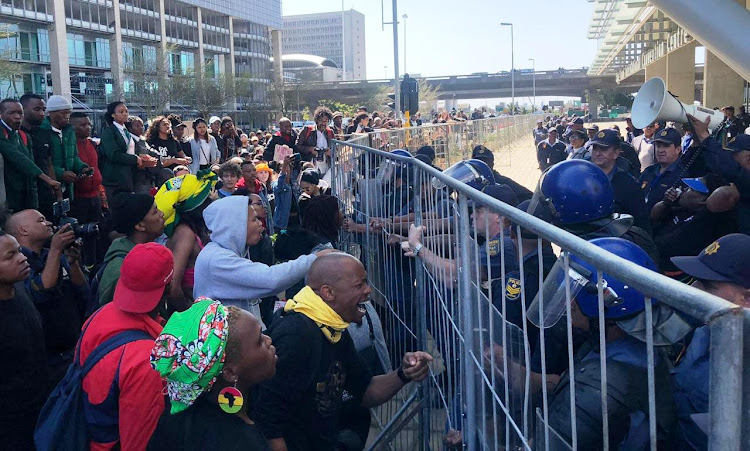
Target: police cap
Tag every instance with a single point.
(606, 138)
(725, 260)
(739, 143)
(668, 135)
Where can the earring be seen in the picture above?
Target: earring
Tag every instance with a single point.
(230, 399)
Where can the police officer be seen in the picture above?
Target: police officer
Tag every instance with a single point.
(492, 226)
(592, 130)
(578, 147)
(734, 166)
(550, 151)
(486, 156)
(579, 198)
(605, 150)
(577, 124)
(626, 362)
(722, 269)
(628, 160)
(667, 170)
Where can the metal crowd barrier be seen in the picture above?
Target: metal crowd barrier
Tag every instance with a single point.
(489, 388)
(454, 141)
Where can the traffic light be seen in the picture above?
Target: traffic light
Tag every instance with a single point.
(392, 104)
(409, 95)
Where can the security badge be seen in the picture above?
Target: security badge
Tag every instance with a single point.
(600, 135)
(513, 288)
(712, 248)
(493, 247)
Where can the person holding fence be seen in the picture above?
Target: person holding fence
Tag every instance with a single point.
(299, 407)
(626, 354)
(721, 269)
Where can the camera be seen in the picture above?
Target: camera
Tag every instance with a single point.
(60, 211)
(321, 153)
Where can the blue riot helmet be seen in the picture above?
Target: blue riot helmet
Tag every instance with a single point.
(391, 168)
(474, 173)
(621, 301)
(574, 192)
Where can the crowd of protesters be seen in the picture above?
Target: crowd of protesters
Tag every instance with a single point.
(190, 272)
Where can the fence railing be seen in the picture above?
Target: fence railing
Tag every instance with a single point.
(498, 382)
(454, 141)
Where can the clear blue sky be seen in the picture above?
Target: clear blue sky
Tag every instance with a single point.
(461, 37)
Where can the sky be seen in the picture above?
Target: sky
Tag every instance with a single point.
(454, 37)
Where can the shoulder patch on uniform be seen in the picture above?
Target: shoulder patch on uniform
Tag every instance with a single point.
(513, 289)
(643, 185)
(493, 247)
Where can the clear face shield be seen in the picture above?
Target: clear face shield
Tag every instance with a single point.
(463, 173)
(563, 284)
(539, 200)
(560, 285)
(387, 171)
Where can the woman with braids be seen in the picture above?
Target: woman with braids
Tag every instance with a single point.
(182, 200)
(211, 356)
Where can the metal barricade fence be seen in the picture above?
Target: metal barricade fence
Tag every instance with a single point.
(454, 141)
(498, 382)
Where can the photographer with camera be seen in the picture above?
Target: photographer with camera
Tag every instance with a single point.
(56, 284)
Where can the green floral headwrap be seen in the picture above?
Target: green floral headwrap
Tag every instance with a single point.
(190, 351)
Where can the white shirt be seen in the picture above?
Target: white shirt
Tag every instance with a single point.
(205, 152)
(322, 142)
(127, 137)
(58, 131)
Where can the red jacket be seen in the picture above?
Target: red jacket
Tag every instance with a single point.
(88, 187)
(141, 400)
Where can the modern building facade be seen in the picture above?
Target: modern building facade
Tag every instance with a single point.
(96, 51)
(337, 36)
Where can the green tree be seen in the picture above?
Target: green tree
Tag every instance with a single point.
(609, 98)
(333, 105)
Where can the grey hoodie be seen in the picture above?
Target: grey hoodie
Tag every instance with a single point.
(222, 271)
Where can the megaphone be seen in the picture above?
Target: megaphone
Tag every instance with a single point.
(654, 103)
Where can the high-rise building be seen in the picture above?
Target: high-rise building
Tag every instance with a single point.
(323, 35)
(98, 51)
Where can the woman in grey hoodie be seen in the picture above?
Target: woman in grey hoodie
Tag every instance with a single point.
(224, 272)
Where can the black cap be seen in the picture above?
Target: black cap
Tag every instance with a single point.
(480, 152)
(578, 121)
(725, 260)
(541, 213)
(593, 127)
(738, 143)
(427, 151)
(606, 138)
(668, 135)
(128, 209)
(503, 193)
(580, 134)
(310, 176)
(177, 123)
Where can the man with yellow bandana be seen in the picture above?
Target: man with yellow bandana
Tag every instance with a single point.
(298, 409)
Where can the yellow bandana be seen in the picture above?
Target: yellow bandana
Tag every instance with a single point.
(312, 306)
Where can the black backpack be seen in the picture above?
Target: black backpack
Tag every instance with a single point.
(63, 423)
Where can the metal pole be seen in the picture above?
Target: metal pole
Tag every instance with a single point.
(725, 406)
(424, 418)
(533, 68)
(512, 70)
(396, 86)
(343, 44)
(467, 328)
(405, 17)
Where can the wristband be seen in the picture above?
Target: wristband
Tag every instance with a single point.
(400, 373)
(417, 248)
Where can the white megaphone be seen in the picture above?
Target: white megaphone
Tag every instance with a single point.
(654, 103)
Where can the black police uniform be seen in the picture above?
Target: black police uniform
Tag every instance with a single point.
(628, 159)
(629, 198)
(655, 183)
(724, 164)
(550, 154)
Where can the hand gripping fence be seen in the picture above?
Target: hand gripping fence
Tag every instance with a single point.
(498, 382)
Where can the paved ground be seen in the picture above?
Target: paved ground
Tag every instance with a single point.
(523, 167)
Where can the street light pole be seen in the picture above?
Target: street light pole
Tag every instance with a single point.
(396, 85)
(512, 69)
(533, 68)
(343, 44)
(405, 17)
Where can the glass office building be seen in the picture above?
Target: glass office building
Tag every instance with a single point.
(123, 40)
